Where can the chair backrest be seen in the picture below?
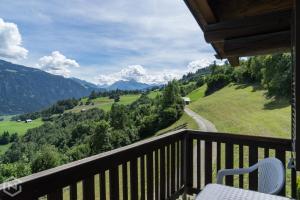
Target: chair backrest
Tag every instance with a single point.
(271, 176)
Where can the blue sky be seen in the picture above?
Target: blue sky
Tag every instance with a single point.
(104, 41)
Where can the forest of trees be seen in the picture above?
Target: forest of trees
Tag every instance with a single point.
(74, 136)
(271, 72)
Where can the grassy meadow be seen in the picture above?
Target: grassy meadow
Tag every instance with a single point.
(18, 127)
(244, 109)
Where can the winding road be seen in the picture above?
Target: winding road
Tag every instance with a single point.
(203, 124)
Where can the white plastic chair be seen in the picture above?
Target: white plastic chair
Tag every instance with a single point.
(271, 175)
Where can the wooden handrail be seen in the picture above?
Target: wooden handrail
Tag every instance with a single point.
(166, 160)
(42, 183)
(242, 139)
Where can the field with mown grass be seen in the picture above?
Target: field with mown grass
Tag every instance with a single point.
(244, 109)
(18, 127)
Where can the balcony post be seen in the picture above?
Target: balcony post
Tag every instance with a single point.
(188, 164)
(296, 82)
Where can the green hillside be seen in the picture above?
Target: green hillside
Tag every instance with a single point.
(245, 110)
(185, 119)
(104, 103)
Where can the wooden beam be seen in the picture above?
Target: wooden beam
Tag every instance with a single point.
(256, 45)
(237, 9)
(234, 61)
(248, 26)
(296, 86)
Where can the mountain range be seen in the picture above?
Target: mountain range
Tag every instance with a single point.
(24, 89)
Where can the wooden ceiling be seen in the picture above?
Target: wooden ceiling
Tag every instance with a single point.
(237, 28)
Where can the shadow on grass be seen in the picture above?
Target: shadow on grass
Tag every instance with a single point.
(277, 103)
(255, 86)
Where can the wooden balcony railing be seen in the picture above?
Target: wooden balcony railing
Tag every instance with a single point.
(163, 167)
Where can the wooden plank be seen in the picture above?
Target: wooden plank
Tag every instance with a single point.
(56, 195)
(294, 183)
(188, 155)
(241, 165)
(102, 185)
(246, 140)
(253, 158)
(156, 177)
(234, 61)
(178, 165)
(296, 64)
(133, 179)
(162, 173)
(150, 175)
(249, 26)
(280, 154)
(182, 158)
(88, 188)
(142, 168)
(208, 162)
(266, 152)
(219, 156)
(125, 180)
(173, 167)
(235, 9)
(168, 171)
(114, 182)
(199, 164)
(229, 162)
(259, 44)
(73, 191)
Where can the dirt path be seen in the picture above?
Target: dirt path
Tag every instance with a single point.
(207, 126)
(203, 124)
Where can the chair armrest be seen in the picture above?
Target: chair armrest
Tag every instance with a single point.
(229, 172)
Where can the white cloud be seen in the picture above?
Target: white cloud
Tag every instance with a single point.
(198, 64)
(11, 41)
(141, 74)
(57, 64)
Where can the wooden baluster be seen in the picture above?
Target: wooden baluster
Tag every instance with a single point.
(280, 154)
(198, 164)
(73, 191)
(229, 162)
(178, 165)
(241, 165)
(253, 158)
(125, 181)
(168, 171)
(142, 169)
(208, 162)
(102, 185)
(162, 174)
(218, 156)
(266, 152)
(133, 179)
(293, 183)
(156, 176)
(88, 188)
(172, 168)
(56, 195)
(188, 167)
(114, 182)
(182, 159)
(150, 175)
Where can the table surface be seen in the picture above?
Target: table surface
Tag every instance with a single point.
(221, 192)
